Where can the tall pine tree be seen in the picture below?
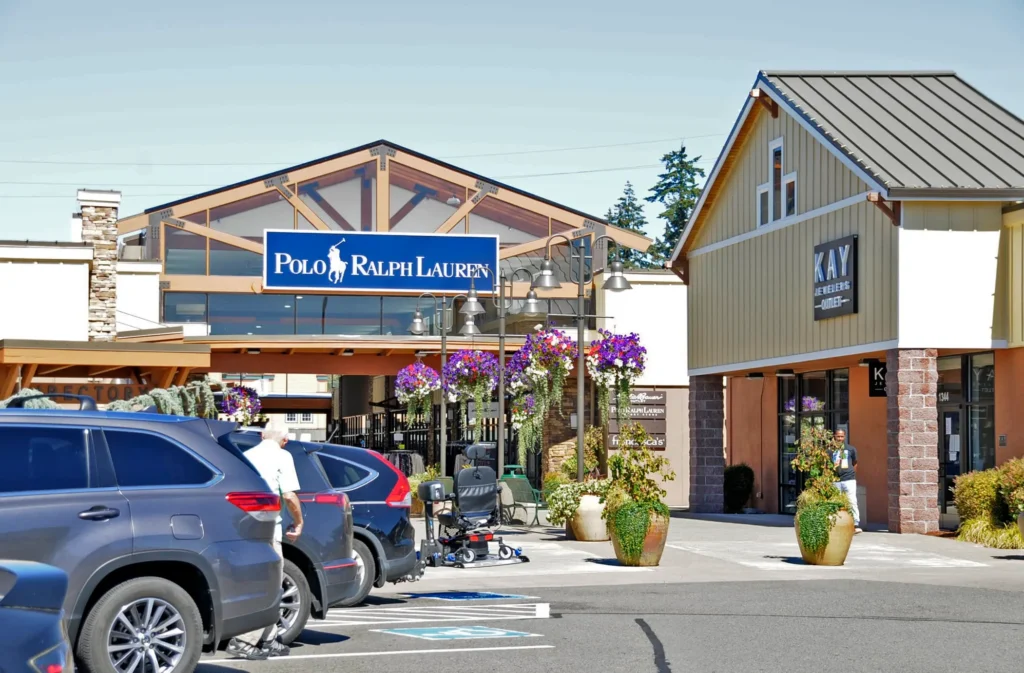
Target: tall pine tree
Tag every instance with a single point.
(628, 213)
(677, 190)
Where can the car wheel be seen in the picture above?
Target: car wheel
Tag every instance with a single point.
(366, 571)
(296, 603)
(144, 625)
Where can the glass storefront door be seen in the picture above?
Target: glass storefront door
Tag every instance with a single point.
(950, 463)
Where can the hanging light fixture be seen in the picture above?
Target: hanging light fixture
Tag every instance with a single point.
(532, 306)
(419, 325)
(453, 201)
(545, 280)
(472, 305)
(617, 281)
(470, 328)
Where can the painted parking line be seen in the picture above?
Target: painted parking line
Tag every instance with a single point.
(386, 653)
(433, 614)
(467, 596)
(437, 633)
(779, 556)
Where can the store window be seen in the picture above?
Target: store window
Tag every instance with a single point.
(814, 399)
(307, 418)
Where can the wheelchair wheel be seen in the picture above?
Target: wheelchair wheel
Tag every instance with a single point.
(465, 555)
(505, 553)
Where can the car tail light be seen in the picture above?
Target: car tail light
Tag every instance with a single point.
(401, 494)
(54, 660)
(255, 502)
(326, 498)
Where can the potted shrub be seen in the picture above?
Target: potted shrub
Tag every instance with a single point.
(738, 486)
(824, 525)
(636, 516)
(432, 473)
(576, 505)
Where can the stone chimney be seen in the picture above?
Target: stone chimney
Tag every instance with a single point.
(99, 229)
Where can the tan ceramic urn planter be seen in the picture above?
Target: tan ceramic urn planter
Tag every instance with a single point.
(654, 544)
(587, 523)
(839, 539)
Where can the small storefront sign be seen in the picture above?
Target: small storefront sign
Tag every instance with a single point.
(835, 278)
(103, 393)
(647, 407)
(364, 261)
(876, 379)
(490, 411)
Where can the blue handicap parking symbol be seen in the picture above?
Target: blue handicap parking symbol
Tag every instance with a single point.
(458, 633)
(465, 596)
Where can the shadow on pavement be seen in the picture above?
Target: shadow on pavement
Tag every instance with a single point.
(793, 560)
(1011, 557)
(768, 520)
(383, 600)
(312, 637)
(604, 562)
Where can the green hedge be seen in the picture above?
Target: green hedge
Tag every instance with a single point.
(988, 503)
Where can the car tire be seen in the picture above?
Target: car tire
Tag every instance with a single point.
(296, 580)
(99, 625)
(367, 568)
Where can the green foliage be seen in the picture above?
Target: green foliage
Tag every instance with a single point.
(167, 402)
(739, 485)
(41, 403)
(985, 532)
(632, 466)
(432, 473)
(677, 190)
(565, 500)
(630, 524)
(976, 495)
(593, 449)
(815, 520)
(1011, 486)
(551, 483)
(817, 506)
(628, 213)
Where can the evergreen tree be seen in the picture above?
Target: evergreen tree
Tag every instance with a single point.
(677, 190)
(628, 213)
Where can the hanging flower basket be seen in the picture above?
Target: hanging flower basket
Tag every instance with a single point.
(414, 387)
(615, 362)
(242, 405)
(550, 354)
(471, 375)
(527, 423)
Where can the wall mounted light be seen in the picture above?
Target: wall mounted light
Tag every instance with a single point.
(755, 375)
(785, 373)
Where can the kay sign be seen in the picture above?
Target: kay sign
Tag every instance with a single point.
(835, 278)
(353, 261)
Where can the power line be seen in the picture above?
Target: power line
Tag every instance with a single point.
(54, 162)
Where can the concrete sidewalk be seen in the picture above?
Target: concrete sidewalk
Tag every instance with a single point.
(734, 548)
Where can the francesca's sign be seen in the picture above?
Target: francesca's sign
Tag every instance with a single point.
(647, 407)
(357, 261)
(835, 278)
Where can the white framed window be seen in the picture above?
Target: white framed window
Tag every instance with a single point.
(763, 204)
(307, 418)
(776, 199)
(789, 194)
(292, 418)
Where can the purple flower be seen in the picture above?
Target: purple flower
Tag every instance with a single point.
(416, 380)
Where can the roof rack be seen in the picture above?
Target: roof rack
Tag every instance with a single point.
(87, 403)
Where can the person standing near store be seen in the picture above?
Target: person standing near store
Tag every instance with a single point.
(277, 468)
(845, 460)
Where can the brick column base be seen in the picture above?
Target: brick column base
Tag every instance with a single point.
(913, 441)
(707, 445)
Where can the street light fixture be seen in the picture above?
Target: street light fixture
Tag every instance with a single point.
(419, 327)
(616, 282)
(473, 307)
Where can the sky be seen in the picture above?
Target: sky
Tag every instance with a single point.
(165, 100)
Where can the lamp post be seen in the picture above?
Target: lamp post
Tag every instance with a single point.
(616, 282)
(419, 328)
(473, 308)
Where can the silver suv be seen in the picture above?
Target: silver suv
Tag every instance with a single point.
(166, 535)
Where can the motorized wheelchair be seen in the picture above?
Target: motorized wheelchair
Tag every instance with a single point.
(465, 533)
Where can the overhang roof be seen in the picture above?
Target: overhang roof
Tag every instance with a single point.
(908, 135)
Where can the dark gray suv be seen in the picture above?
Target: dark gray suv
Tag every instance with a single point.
(166, 535)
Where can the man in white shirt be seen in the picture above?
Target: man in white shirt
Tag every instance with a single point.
(277, 468)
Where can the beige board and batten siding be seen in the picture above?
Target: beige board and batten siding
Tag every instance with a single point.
(753, 300)
(1011, 280)
(821, 178)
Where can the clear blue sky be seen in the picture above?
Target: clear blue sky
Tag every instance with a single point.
(272, 84)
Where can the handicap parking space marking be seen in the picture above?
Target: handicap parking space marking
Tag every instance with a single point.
(447, 651)
(468, 596)
(436, 633)
(433, 614)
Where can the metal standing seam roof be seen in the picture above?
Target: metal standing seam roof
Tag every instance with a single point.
(928, 133)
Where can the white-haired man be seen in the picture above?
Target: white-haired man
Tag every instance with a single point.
(277, 468)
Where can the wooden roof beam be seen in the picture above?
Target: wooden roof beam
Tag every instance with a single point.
(894, 211)
(483, 190)
(766, 102)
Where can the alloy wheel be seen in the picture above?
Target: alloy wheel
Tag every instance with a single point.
(291, 602)
(147, 636)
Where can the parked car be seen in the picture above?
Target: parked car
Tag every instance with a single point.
(320, 569)
(35, 639)
(161, 530)
(384, 540)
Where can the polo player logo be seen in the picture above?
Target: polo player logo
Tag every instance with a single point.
(336, 273)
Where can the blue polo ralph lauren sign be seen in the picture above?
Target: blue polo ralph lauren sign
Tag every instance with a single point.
(356, 261)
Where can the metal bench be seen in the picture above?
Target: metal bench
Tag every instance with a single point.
(523, 494)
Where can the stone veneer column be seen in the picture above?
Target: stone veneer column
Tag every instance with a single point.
(911, 381)
(99, 229)
(707, 444)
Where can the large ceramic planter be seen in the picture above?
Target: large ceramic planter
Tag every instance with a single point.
(654, 544)
(587, 524)
(839, 539)
(1020, 523)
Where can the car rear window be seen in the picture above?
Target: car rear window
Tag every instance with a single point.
(144, 459)
(43, 458)
(341, 473)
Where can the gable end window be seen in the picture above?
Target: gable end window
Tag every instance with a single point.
(776, 199)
